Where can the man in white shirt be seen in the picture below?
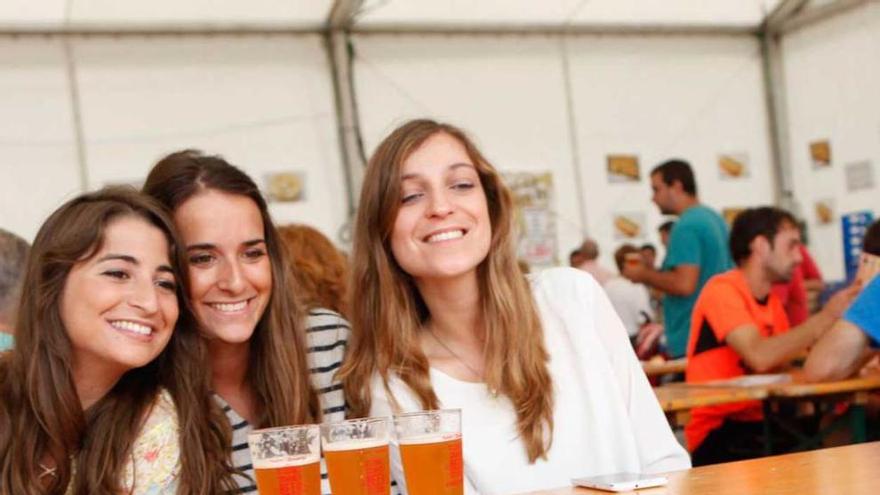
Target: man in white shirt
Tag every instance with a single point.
(631, 301)
(589, 252)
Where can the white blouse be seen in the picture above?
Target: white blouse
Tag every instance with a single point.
(606, 417)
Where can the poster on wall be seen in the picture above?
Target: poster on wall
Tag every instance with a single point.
(729, 214)
(733, 165)
(285, 187)
(533, 195)
(820, 154)
(628, 225)
(824, 209)
(859, 176)
(623, 168)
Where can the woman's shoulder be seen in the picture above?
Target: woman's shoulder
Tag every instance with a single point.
(325, 327)
(155, 459)
(562, 283)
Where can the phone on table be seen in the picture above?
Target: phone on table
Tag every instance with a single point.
(621, 482)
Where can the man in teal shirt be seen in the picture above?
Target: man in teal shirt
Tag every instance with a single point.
(13, 251)
(697, 250)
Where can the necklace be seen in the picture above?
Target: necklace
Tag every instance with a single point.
(454, 354)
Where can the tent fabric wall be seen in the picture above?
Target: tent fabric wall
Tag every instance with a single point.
(264, 103)
(38, 164)
(832, 72)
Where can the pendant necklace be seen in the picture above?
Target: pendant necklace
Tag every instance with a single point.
(492, 391)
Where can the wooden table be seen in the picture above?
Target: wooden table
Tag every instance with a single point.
(658, 368)
(855, 390)
(678, 400)
(850, 470)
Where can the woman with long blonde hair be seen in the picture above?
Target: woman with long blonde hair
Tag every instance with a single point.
(545, 377)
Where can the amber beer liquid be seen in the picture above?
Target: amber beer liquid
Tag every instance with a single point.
(289, 476)
(432, 464)
(358, 467)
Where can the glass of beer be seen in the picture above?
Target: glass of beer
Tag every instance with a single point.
(430, 449)
(356, 452)
(287, 460)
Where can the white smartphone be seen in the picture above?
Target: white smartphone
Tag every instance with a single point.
(621, 482)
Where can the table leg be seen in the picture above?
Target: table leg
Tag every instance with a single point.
(768, 438)
(858, 418)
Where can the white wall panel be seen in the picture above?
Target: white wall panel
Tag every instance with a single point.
(263, 103)
(832, 72)
(668, 97)
(38, 167)
(507, 92)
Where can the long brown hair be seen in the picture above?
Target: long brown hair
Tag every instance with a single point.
(40, 412)
(388, 312)
(318, 269)
(279, 371)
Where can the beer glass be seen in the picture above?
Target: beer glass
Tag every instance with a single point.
(356, 452)
(430, 449)
(287, 460)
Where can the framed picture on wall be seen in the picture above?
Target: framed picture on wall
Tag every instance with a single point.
(623, 168)
(820, 153)
(628, 225)
(536, 223)
(285, 187)
(824, 210)
(733, 165)
(859, 176)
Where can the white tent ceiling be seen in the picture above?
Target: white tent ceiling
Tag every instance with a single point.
(312, 14)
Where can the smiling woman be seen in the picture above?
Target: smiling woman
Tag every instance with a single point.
(546, 380)
(270, 364)
(91, 399)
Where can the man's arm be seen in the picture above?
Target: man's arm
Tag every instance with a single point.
(840, 353)
(763, 354)
(680, 281)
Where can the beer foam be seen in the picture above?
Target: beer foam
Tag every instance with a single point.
(354, 444)
(430, 438)
(286, 461)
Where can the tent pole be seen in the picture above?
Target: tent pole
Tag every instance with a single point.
(339, 53)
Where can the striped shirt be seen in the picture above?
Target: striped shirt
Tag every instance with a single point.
(327, 336)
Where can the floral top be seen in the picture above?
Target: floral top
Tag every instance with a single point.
(154, 465)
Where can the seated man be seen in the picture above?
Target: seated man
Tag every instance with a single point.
(842, 351)
(739, 327)
(632, 302)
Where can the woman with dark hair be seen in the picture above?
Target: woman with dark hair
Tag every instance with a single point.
(102, 392)
(269, 363)
(544, 375)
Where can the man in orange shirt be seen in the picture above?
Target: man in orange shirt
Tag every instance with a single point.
(738, 327)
